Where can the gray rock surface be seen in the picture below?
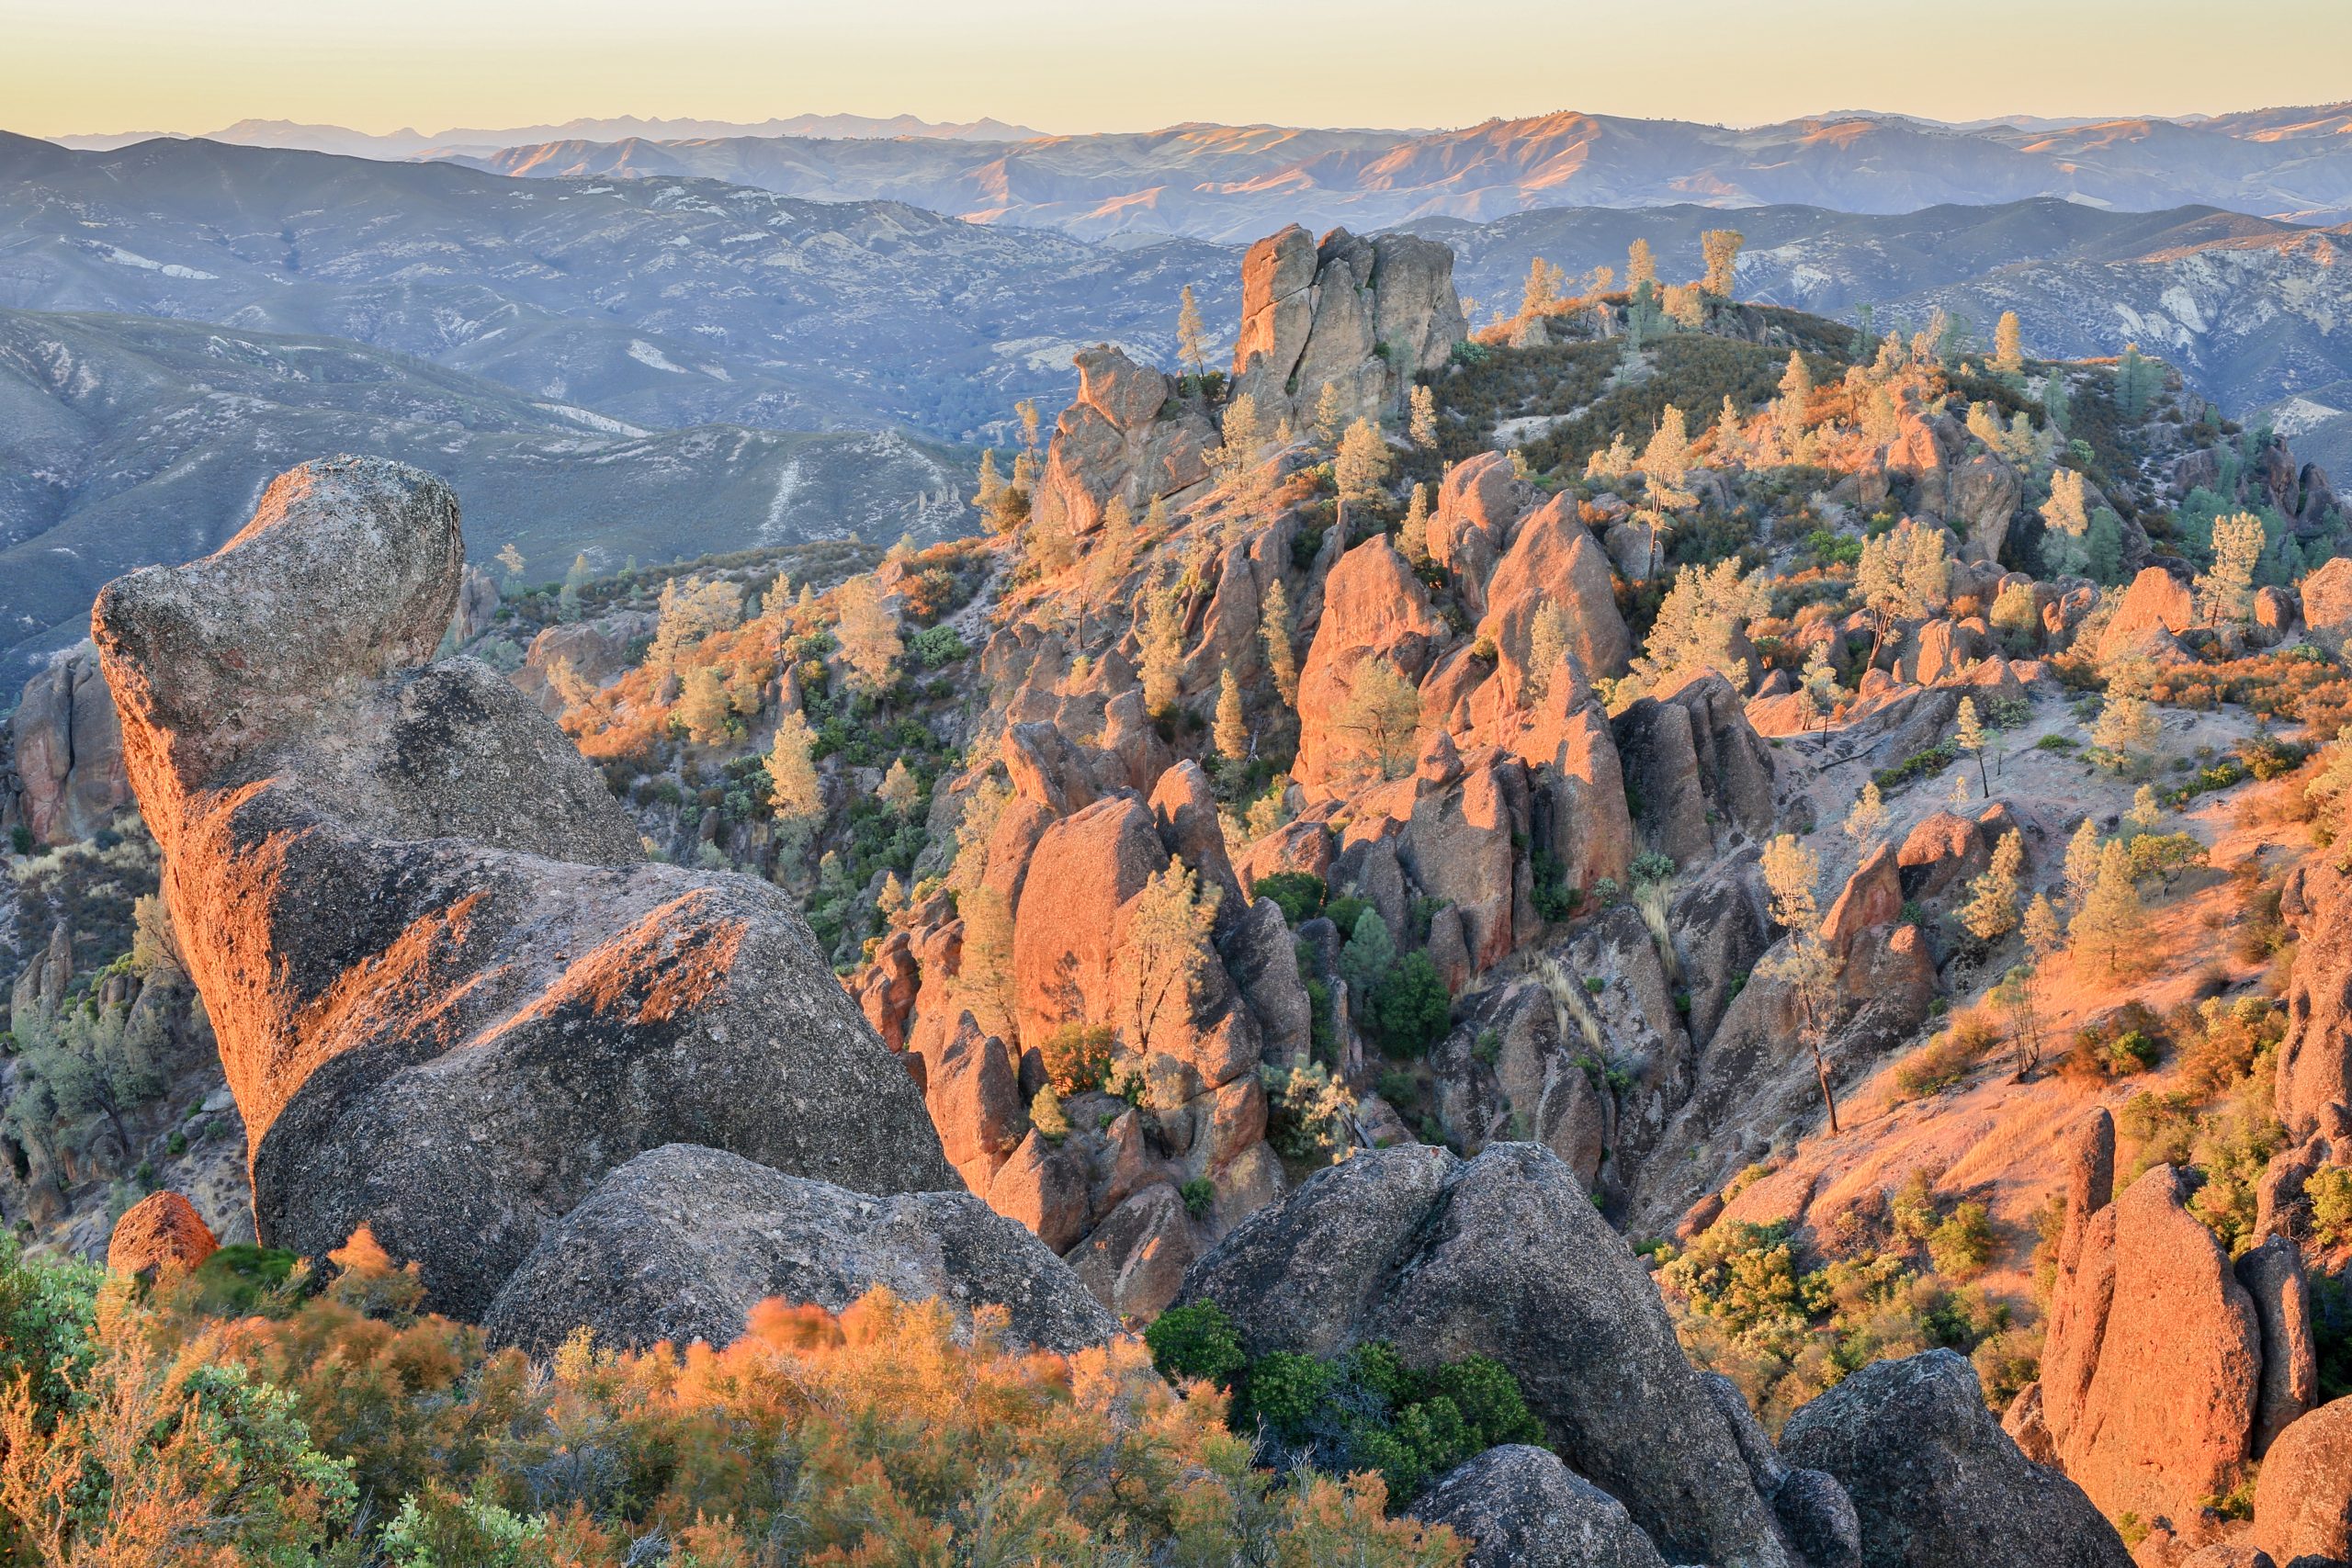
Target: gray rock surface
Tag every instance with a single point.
(1934, 1479)
(681, 1242)
(449, 995)
(1503, 1255)
(1519, 1507)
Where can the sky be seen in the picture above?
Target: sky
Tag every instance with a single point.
(86, 66)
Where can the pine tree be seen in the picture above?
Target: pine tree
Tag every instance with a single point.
(511, 558)
(1968, 733)
(702, 705)
(1273, 627)
(2145, 812)
(1991, 912)
(867, 633)
(567, 599)
(2009, 346)
(1329, 414)
(1793, 413)
(1542, 290)
(1421, 423)
(901, 791)
(1108, 563)
(1666, 461)
(1366, 961)
(990, 486)
(1378, 723)
(1192, 337)
(1721, 248)
(1818, 681)
(1547, 650)
(2126, 731)
(1866, 820)
(1162, 960)
(1242, 436)
(1413, 538)
(1641, 266)
(1802, 961)
(2110, 922)
(2065, 547)
(1163, 651)
(1027, 411)
(797, 796)
(2082, 862)
(2225, 591)
(1362, 464)
(1232, 732)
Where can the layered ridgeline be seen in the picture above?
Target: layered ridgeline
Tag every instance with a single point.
(1833, 813)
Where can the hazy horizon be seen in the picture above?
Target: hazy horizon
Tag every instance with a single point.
(114, 67)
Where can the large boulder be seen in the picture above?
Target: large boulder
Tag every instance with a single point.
(681, 1242)
(2315, 1060)
(1698, 767)
(2327, 604)
(2155, 609)
(1934, 1479)
(161, 1234)
(1071, 924)
(1363, 315)
(1113, 442)
(1555, 560)
(2152, 1372)
(1519, 1507)
(1982, 496)
(67, 746)
(1373, 608)
(1504, 1256)
(2303, 1502)
(449, 995)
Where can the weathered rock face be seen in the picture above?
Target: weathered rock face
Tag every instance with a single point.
(1519, 1507)
(1697, 766)
(1936, 1482)
(2303, 1502)
(681, 1242)
(1314, 315)
(1984, 496)
(449, 998)
(1554, 559)
(1504, 1256)
(161, 1234)
(1373, 608)
(2327, 604)
(2155, 608)
(2152, 1372)
(70, 777)
(1113, 441)
(2315, 1062)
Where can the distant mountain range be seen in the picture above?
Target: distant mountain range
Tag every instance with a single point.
(407, 142)
(125, 440)
(1234, 183)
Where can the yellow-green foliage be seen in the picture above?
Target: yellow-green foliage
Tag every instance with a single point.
(348, 1423)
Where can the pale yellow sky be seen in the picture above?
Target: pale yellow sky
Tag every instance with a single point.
(1066, 66)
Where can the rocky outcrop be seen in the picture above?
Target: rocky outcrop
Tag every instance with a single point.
(1554, 559)
(1698, 767)
(1982, 497)
(2327, 604)
(1363, 315)
(1374, 609)
(1504, 1256)
(67, 750)
(2272, 1274)
(449, 997)
(681, 1242)
(2154, 610)
(2152, 1373)
(1125, 436)
(1519, 1507)
(160, 1235)
(1936, 1482)
(2303, 1502)
(2315, 1061)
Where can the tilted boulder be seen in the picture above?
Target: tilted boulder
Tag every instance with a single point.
(1113, 442)
(1936, 1482)
(1503, 1255)
(449, 995)
(2327, 604)
(2155, 609)
(1982, 496)
(681, 1242)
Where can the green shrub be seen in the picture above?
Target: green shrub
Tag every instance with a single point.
(935, 646)
(1196, 1341)
(2330, 1192)
(1200, 1197)
(1299, 893)
(1411, 1006)
(1961, 1245)
(1345, 911)
(1919, 765)
(1078, 1057)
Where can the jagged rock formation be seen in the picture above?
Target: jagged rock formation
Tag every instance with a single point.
(159, 1236)
(1935, 1481)
(681, 1242)
(1120, 437)
(2167, 1373)
(2302, 1502)
(1504, 1256)
(1521, 1507)
(62, 774)
(2315, 1062)
(1361, 315)
(449, 997)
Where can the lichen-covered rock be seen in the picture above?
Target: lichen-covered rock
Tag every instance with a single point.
(681, 1242)
(2302, 1501)
(1503, 1255)
(1519, 1507)
(448, 994)
(160, 1235)
(1935, 1481)
(1982, 496)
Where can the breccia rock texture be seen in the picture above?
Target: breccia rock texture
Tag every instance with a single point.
(1934, 1479)
(681, 1242)
(1504, 1256)
(449, 995)
(1519, 1507)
